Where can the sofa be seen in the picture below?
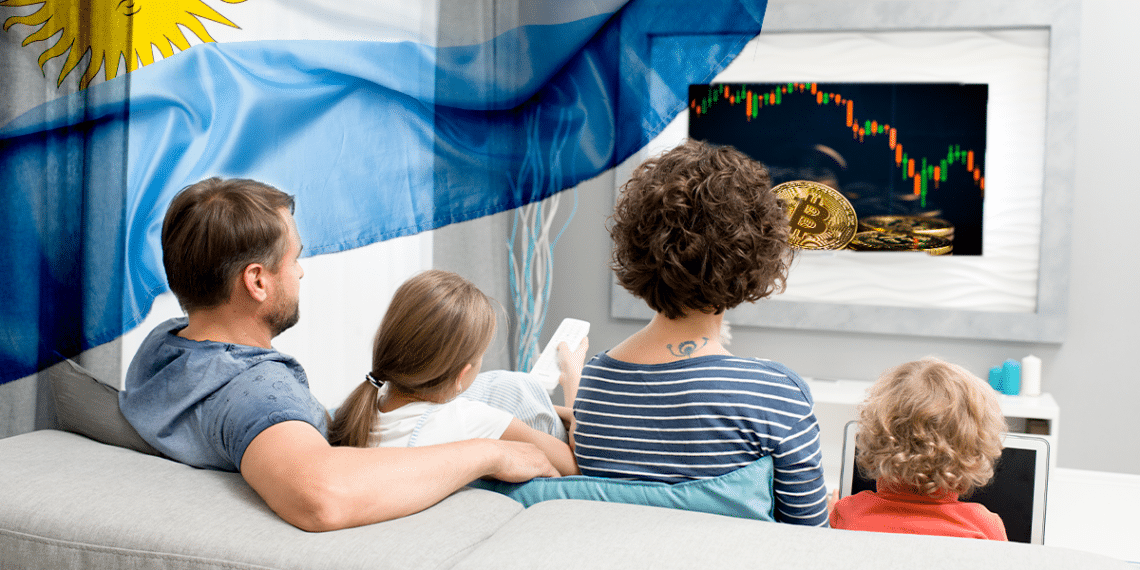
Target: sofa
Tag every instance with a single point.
(92, 498)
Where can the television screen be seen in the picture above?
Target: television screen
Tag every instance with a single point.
(909, 157)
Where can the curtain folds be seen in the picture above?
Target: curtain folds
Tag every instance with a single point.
(377, 138)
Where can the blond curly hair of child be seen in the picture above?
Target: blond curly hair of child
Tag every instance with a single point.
(930, 425)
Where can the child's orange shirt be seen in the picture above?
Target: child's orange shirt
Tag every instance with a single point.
(900, 509)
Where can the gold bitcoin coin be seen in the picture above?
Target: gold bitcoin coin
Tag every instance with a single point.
(921, 225)
(820, 217)
(892, 241)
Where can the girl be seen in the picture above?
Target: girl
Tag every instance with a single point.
(928, 433)
(428, 350)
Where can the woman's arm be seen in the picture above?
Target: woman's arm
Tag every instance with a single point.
(801, 497)
(557, 452)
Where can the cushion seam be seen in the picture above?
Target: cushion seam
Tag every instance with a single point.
(463, 554)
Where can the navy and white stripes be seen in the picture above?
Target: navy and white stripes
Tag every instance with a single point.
(700, 418)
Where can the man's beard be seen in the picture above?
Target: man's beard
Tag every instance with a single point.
(284, 316)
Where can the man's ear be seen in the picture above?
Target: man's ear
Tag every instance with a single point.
(255, 281)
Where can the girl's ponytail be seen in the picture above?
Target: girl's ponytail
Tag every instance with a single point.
(354, 419)
(436, 324)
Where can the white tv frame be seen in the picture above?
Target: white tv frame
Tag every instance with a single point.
(1046, 322)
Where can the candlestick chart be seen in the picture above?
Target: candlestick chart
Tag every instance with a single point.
(891, 148)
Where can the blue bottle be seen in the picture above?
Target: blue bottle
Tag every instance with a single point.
(996, 378)
(1011, 378)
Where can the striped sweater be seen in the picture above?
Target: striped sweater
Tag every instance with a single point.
(700, 418)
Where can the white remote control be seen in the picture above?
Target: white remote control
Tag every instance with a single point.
(545, 370)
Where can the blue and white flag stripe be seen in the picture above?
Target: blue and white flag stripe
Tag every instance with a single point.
(375, 139)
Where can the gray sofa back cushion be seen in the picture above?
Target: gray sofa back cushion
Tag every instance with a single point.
(68, 502)
(603, 536)
(86, 406)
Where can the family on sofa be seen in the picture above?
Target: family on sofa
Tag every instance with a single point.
(668, 417)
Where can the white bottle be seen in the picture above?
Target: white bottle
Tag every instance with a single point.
(1030, 376)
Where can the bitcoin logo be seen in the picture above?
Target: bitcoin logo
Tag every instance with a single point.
(820, 217)
(810, 216)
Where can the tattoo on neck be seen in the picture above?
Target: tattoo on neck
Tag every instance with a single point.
(687, 348)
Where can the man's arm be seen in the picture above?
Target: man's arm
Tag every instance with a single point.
(317, 487)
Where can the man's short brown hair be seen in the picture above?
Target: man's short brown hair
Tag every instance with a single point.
(214, 229)
(698, 228)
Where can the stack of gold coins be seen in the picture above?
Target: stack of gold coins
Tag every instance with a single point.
(894, 241)
(922, 225)
(904, 233)
(820, 217)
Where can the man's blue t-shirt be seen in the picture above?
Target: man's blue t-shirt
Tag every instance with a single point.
(202, 402)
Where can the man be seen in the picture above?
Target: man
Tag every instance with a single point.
(209, 390)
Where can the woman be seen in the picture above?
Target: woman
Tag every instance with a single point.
(698, 231)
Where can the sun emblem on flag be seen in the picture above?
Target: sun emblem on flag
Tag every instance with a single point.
(111, 31)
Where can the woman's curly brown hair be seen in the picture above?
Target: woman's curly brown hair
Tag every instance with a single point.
(698, 228)
(930, 425)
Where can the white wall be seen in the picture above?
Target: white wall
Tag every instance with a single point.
(1091, 375)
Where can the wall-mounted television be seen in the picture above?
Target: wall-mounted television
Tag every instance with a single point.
(997, 79)
(895, 151)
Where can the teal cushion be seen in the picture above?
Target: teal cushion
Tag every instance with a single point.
(745, 493)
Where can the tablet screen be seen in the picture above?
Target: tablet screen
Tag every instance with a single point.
(1010, 494)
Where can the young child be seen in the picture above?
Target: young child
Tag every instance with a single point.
(427, 351)
(928, 433)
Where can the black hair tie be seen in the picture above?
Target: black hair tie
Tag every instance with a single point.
(378, 384)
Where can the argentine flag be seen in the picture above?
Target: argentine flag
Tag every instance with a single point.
(384, 118)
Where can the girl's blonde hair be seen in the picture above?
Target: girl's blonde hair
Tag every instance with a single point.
(931, 425)
(437, 323)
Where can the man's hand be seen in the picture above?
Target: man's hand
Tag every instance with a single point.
(520, 462)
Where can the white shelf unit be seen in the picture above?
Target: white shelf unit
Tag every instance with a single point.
(837, 401)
